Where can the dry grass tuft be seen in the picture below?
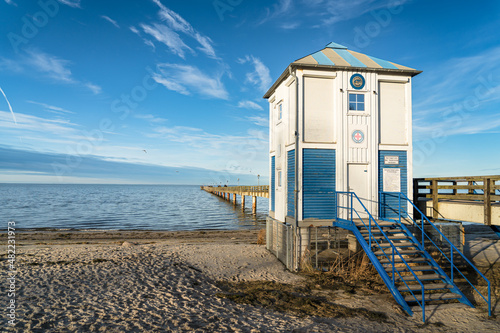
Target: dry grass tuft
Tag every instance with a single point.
(306, 265)
(261, 237)
(350, 273)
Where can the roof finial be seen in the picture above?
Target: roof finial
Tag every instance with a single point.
(333, 45)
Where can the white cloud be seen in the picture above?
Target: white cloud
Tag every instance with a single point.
(110, 20)
(150, 43)
(146, 41)
(290, 25)
(206, 45)
(94, 88)
(259, 121)
(338, 11)
(233, 153)
(51, 108)
(150, 118)
(327, 11)
(71, 3)
(10, 65)
(282, 7)
(134, 30)
(10, 2)
(178, 23)
(260, 76)
(249, 105)
(466, 126)
(171, 84)
(459, 96)
(186, 79)
(59, 127)
(167, 36)
(53, 66)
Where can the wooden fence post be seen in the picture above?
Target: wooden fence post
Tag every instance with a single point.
(435, 201)
(415, 198)
(487, 201)
(471, 190)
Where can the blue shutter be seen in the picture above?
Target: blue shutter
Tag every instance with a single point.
(290, 187)
(318, 178)
(389, 205)
(273, 181)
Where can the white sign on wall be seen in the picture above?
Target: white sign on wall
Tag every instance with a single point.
(392, 179)
(391, 160)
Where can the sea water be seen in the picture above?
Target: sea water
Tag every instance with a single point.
(124, 207)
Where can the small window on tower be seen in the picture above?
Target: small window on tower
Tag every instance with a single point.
(356, 102)
(280, 111)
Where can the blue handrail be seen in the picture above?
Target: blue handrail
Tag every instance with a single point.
(350, 208)
(452, 246)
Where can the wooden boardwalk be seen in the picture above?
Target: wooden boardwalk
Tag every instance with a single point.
(230, 193)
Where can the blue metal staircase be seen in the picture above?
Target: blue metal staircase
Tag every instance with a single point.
(414, 278)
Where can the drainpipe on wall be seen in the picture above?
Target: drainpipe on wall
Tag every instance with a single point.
(296, 194)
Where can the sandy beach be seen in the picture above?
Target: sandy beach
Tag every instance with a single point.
(188, 282)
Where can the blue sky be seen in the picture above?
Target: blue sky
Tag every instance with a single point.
(171, 91)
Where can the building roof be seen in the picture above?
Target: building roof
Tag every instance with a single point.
(336, 56)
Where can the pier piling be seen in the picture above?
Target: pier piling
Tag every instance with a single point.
(227, 191)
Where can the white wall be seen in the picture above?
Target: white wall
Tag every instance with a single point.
(326, 122)
(279, 140)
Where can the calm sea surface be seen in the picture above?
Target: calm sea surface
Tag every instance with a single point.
(123, 207)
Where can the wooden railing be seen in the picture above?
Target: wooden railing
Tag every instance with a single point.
(260, 191)
(226, 192)
(485, 189)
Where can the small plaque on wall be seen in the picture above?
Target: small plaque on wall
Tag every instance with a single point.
(392, 179)
(391, 160)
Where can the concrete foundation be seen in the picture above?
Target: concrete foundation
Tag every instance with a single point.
(462, 210)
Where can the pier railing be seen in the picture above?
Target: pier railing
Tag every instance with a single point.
(259, 191)
(483, 189)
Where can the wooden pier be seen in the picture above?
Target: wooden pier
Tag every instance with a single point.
(230, 193)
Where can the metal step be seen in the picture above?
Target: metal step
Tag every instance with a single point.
(427, 286)
(405, 252)
(433, 297)
(377, 232)
(377, 229)
(398, 260)
(414, 268)
(391, 237)
(380, 223)
(423, 277)
(403, 244)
